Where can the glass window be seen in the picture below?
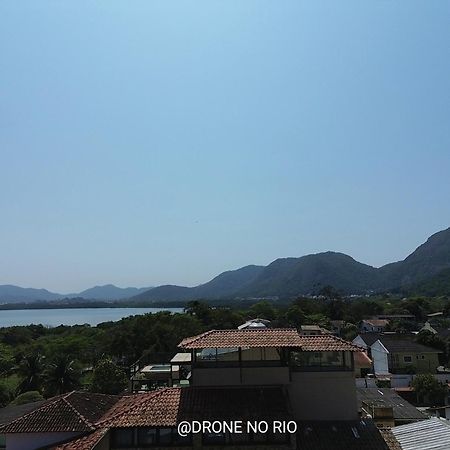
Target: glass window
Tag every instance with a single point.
(147, 436)
(122, 437)
(165, 436)
(407, 359)
(227, 354)
(181, 440)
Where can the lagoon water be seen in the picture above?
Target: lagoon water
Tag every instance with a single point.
(74, 316)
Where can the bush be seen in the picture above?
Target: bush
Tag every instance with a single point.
(27, 397)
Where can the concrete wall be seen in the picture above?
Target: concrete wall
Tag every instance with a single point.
(323, 396)
(32, 441)
(233, 376)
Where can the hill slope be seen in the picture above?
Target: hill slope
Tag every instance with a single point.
(289, 277)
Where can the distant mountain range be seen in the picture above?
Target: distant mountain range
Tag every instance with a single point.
(15, 294)
(427, 269)
(290, 277)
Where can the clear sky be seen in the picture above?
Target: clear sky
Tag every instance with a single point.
(152, 142)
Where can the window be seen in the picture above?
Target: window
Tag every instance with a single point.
(407, 359)
(122, 437)
(320, 360)
(146, 437)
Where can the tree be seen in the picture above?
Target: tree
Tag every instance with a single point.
(61, 375)
(429, 390)
(30, 370)
(263, 310)
(108, 378)
(200, 310)
(5, 395)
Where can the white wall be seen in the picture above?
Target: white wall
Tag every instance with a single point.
(359, 342)
(32, 441)
(380, 358)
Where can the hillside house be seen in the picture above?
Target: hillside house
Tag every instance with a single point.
(373, 325)
(398, 353)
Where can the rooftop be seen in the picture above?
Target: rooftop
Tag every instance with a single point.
(340, 435)
(430, 434)
(377, 322)
(269, 337)
(74, 411)
(403, 410)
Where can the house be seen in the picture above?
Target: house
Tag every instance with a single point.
(373, 325)
(373, 401)
(58, 419)
(12, 412)
(237, 375)
(398, 353)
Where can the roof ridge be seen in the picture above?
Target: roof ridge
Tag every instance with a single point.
(84, 419)
(49, 402)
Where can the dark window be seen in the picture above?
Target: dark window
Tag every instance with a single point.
(147, 436)
(122, 437)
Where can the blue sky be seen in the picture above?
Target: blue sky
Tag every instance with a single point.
(153, 142)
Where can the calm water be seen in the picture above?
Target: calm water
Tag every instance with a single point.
(75, 316)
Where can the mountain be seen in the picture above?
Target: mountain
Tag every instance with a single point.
(16, 294)
(227, 284)
(109, 292)
(289, 277)
(435, 286)
(427, 269)
(426, 261)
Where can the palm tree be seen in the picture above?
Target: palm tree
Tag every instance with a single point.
(31, 370)
(61, 375)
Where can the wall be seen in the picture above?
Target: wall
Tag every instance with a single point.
(32, 441)
(423, 362)
(323, 396)
(380, 358)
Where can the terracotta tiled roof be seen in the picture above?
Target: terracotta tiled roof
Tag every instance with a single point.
(86, 442)
(71, 412)
(167, 407)
(327, 343)
(270, 337)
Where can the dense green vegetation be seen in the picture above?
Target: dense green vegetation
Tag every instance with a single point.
(55, 360)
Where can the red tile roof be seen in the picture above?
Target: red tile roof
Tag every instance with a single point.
(166, 407)
(86, 442)
(269, 337)
(71, 412)
(327, 343)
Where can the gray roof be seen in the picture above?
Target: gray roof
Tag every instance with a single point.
(370, 337)
(340, 435)
(12, 412)
(431, 434)
(395, 343)
(403, 410)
